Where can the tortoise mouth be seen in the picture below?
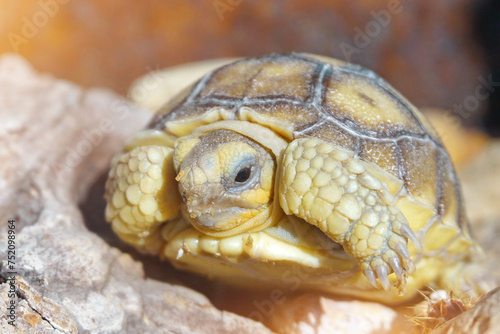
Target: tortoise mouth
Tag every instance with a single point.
(221, 213)
(225, 221)
(215, 218)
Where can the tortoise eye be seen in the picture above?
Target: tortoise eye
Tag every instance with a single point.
(243, 175)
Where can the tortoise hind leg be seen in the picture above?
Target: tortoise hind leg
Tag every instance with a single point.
(330, 188)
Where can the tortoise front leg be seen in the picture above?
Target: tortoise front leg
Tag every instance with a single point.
(141, 191)
(330, 188)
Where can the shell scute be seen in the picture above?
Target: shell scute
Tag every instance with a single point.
(331, 133)
(231, 81)
(272, 115)
(383, 154)
(449, 201)
(419, 169)
(369, 107)
(279, 79)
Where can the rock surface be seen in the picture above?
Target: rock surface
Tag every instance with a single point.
(316, 314)
(56, 139)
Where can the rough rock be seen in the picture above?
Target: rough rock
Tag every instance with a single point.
(316, 314)
(483, 318)
(56, 140)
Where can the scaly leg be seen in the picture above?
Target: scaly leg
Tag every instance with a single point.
(330, 188)
(141, 190)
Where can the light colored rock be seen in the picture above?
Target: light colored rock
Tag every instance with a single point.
(316, 314)
(55, 141)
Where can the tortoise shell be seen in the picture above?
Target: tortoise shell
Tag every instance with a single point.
(299, 95)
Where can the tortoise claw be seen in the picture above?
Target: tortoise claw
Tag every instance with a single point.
(407, 262)
(407, 232)
(411, 267)
(402, 251)
(395, 264)
(370, 275)
(395, 257)
(383, 276)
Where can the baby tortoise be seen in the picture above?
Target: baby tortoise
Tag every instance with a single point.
(302, 166)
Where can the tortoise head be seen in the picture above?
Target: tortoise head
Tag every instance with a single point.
(226, 181)
(219, 179)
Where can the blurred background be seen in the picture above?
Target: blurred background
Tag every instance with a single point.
(438, 53)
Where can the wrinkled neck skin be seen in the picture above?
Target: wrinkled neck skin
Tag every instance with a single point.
(227, 180)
